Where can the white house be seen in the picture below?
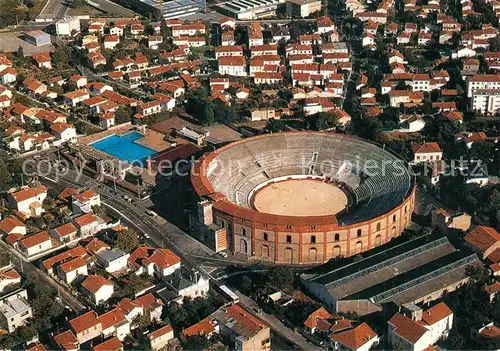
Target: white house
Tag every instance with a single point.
(12, 225)
(233, 66)
(112, 260)
(63, 131)
(35, 244)
(424, 329)
(160, 338)
(8, 276)
(87, 225)
(111, 41)
(159, 262)
(188, 283)
(28, 201)
(360, 338)
(426, 152)
(70, 270)
(115, 323)
(97, 288)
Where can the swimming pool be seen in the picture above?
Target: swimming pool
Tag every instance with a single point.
(124, 147)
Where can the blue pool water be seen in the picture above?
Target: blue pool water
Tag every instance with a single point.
(124, 147)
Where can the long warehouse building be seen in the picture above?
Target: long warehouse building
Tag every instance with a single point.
(417, 271)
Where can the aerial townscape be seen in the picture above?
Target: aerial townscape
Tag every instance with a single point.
(249, 175)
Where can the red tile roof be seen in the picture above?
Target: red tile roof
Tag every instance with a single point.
(113, 344)
(66, 340)
(9, 224)
(312, 320)
(436, 313)
(73, 265)
(356, 337)
(148, 302)
(112, 318)
(84, 322)
(35, 239)
(483, 238)
(65, 230)
(84, 220)
(204, 327)
(426, 147)
(407, 328)
(28, 193)
(95, 282)
(160, 332)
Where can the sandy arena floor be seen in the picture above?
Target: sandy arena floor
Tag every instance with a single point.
(305, 197)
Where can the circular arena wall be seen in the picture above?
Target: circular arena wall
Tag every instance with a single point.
(379, 195)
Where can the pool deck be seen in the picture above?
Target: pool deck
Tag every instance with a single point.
(152, 140)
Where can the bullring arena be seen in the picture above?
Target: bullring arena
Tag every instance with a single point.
(302, 197)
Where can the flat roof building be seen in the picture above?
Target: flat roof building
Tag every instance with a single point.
(302, 8)
(416, 271)
(250, 9)
(167, 9)
(14, 310)
(37, 38)
(68, 26)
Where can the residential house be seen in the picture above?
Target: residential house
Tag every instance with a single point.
(244, 330)
(15, 310)
(426, 152)
(67, 341)
(233, 66)
(64, 233)
(69, 271)
(35, 244)
(360, 338)
(28, 201)
(160, 338)
(86, 327)
(8, 276)
(97, 288)
(113, 344)
(87, 225)
(485, 241)
(114, 323)
(12, 225)
(151, 306)
(113, 260)
(422, 330)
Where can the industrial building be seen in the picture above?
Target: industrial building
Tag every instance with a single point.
(302, 8)
(417, 271)
(250, 9)
(166, 9)
(37, 38)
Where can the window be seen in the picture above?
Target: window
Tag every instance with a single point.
(288, 227)
(405, 209)
(378, 227)
(315, 156)
(359, 232)
(313, 239)
(337, 237)
(394, 218)
(288, 239)
(265, 236)
(244, 231)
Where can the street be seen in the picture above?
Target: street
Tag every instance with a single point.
(168, 235)
(23, 265)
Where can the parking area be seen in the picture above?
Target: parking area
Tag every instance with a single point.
(10, 42)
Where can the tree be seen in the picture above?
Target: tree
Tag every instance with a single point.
(280, 277)
(123, 114)
(126, 240)
(79, 3)
(4, 259)
(196, 342)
